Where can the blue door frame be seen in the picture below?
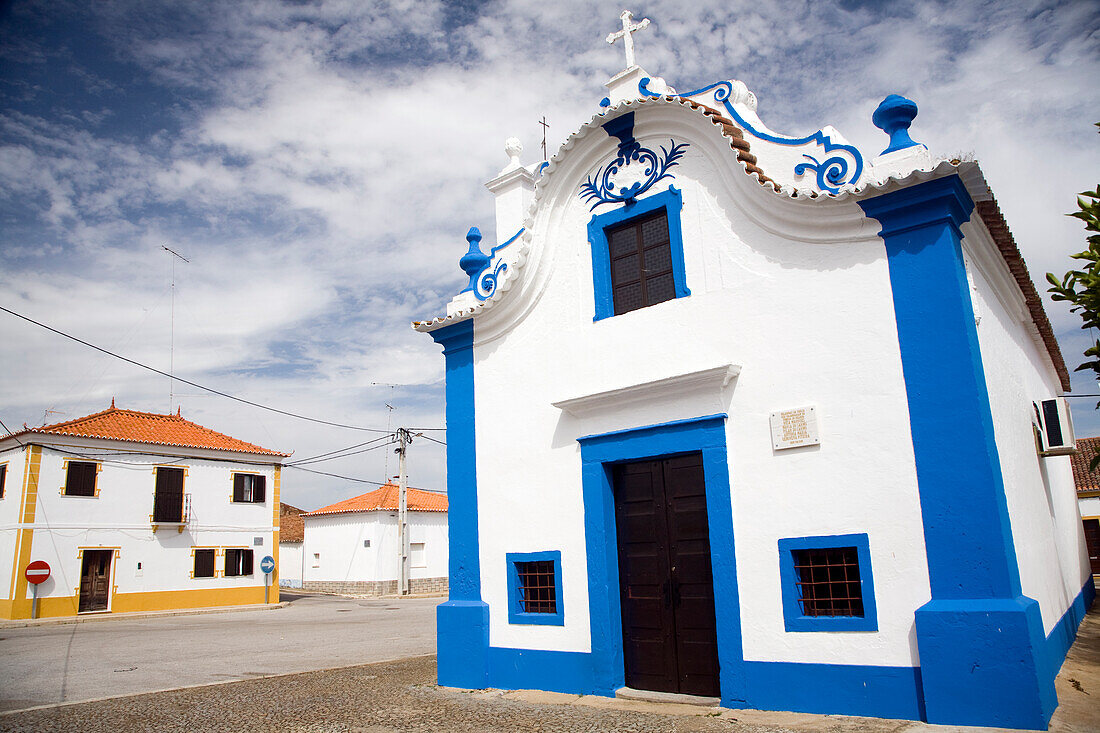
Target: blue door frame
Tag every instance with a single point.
(706, 435)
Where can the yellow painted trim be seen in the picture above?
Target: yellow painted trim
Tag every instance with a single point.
(1091, 516)
(28, 507)
(53, 607)
(65, 470)
(276, 488)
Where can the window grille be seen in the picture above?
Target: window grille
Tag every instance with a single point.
(204, 563)
(828, 581)
(80, 479)
(537, 593)
(641, 263)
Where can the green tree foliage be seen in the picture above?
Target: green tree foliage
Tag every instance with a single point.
(1081, 288)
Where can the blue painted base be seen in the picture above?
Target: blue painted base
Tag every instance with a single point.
(536, 669)
(837, 689)
(983, 662)
(1061, 637)
(462, 644)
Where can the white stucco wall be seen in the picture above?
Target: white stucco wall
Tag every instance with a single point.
(119, 517)
(804, 308)
(1046, 528)
(290, 564)
(338, 539)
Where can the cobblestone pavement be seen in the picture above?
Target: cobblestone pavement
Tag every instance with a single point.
(402, 696)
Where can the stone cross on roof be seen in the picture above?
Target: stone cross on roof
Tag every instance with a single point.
(625, 34)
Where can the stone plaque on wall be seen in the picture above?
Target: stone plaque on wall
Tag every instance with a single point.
(794, 428)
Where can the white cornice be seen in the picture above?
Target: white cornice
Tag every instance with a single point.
(677, 386)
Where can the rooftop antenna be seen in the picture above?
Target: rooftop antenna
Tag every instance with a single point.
(545, 127)
(389, 419)
(172, 336)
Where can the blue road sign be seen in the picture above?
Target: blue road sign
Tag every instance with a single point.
(267, 564)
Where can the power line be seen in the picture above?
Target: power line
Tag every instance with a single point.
(339, 450)
(9, 432)
(296, 464)
(360, 480)
(195, 384)
(428, 437)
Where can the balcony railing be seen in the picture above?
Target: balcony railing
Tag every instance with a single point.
(170, 509)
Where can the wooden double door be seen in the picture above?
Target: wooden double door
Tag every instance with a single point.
(666, 584)
(95, 580)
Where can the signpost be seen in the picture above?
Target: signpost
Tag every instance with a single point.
(37, 572)
(268, 566)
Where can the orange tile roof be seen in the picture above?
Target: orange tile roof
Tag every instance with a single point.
(386, 499)
(1087, 483)
(148, 427)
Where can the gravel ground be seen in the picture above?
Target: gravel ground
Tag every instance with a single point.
(389, 696)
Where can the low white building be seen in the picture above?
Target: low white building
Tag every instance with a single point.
(135, 511)
(752, 416)
(352, 546)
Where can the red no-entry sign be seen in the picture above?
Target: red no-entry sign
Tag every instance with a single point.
(37, 572)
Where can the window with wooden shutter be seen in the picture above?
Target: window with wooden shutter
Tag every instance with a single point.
(168, 496)
(238, 562)
(3, 478)
(249, 488)
(80, 478)
(204, 563)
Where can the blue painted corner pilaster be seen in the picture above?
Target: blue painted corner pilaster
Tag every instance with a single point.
(462, 623)
(981, 642)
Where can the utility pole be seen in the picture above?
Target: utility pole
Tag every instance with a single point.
(403, 440)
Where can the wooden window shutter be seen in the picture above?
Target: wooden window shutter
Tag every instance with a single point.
(3, 479)
(231, 566)
(238, 486)
(80, 479)
(246, 562)
(259, 489)
(204, 563)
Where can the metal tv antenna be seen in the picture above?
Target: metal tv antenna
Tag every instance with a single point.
(173, 254)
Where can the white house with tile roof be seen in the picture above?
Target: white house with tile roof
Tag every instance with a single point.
(353, 546)
(135, 511)
(752, 417)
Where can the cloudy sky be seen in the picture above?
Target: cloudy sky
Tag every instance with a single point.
(319, 163)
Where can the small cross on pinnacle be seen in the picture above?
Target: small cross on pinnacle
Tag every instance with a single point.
(628, 40)
(545, 127)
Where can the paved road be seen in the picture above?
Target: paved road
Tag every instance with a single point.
(65, 663)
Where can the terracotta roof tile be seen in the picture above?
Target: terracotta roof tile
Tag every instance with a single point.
(995, 222)
(148, 427)
(386, 499)
(291, 526)
(1088, 484)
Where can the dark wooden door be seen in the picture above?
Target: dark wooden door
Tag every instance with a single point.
(1092, 543)
(666, 588)
(95, 580)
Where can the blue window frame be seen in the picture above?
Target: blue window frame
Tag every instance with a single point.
(818, 579)
(534, 582)
(671, 203)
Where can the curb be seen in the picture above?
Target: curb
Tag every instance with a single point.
(136, 615)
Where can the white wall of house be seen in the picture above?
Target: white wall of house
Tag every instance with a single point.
(1089, 506)
(290, 564)
(119, 517)
(806, 311)
(335, 551)
(1046, 529)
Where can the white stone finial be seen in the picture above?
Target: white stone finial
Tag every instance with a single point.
(625, 34)
(513, 147)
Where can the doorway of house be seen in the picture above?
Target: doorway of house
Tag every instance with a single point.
(95, 580)
(666, 586)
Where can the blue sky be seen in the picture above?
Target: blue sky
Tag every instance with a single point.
(319, 163)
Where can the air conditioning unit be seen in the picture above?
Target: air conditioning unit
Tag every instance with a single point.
(1055, 428)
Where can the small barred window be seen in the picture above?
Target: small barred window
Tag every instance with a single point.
(537, 592)
(828, 581)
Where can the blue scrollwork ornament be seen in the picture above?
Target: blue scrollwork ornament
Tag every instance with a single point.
(601, 187)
